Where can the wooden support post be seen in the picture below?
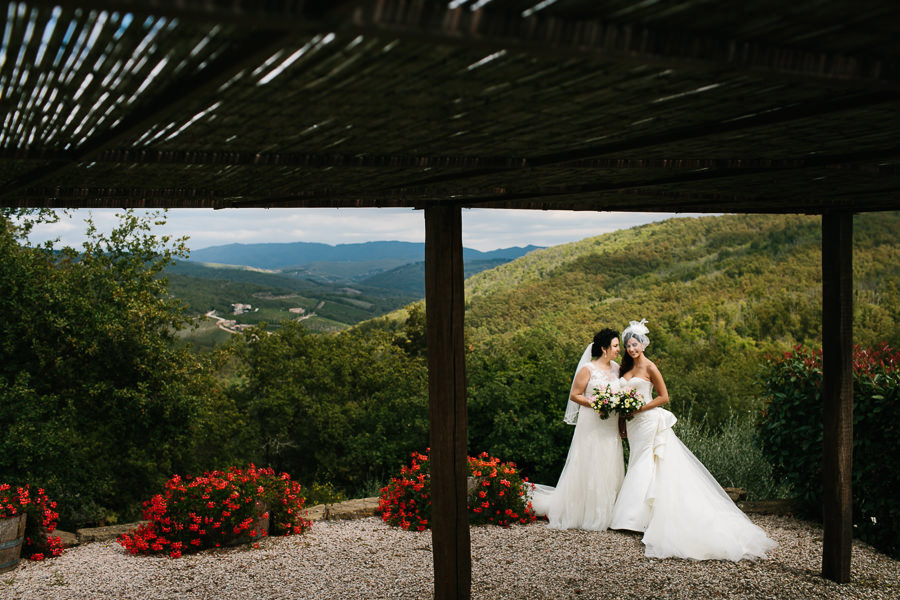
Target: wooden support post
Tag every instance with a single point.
(837, 393)
(444, 311)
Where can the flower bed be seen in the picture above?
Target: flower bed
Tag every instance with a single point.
(218, 508)
(40, 523)
(496, 498)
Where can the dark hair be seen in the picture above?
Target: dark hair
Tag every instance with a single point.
(602, 340)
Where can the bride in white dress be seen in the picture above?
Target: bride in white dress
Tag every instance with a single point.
(668, 494)
(585, 495)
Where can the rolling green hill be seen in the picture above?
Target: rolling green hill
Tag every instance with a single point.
(271, 296)
(719, 294)
(410, 278)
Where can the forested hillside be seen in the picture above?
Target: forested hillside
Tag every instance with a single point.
(411, 278)
(718, 292)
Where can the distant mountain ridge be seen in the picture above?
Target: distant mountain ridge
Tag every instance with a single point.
(296, 254)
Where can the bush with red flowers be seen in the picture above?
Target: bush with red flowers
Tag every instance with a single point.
(216, 509)
(406, 500)
(791, 432)
(40, 522)
(496, 495)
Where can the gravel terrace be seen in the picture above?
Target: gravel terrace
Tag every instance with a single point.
(365, 558)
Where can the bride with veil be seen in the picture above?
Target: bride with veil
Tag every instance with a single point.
(585, 494)
(667, 493)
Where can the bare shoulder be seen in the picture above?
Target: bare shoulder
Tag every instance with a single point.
(652, 368)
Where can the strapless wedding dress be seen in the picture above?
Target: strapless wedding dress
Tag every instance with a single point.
(585, 495)
(670, 496)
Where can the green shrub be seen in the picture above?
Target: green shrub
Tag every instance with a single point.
(734, 455)
(791, 430)
(322, 493)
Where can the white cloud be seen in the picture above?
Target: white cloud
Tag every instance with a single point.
(483, 229)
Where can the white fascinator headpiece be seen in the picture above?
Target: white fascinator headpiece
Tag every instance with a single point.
(637, 330)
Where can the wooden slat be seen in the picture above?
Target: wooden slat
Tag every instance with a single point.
(444, 309)
(700, 130)
(250, 52)
(837, 393)
(596, 30)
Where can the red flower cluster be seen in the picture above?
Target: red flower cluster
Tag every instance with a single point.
(497, 498)
(880, 359)
(39, 524)
(406, 501)
(877, 360)
(217, 508)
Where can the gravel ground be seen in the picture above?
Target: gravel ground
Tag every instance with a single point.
(366, 559)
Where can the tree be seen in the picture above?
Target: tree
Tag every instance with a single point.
(343, 408)
(97, 401)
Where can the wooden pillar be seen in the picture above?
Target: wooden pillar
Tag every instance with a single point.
(444, 311)
(837, 393)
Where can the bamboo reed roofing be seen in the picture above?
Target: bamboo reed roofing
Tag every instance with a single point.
(683, 105)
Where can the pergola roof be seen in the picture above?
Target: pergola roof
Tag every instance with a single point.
(685, 105)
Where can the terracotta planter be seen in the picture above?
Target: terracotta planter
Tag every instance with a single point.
(12, 534)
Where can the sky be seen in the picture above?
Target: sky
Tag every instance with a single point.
(483, 229)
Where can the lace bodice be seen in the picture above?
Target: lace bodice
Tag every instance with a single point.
(600, 378)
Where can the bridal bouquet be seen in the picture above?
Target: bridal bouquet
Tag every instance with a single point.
(624, 402)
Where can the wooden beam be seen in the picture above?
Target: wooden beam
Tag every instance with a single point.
(444, 309)
(647, 199)
(871, 160)
(837, 393)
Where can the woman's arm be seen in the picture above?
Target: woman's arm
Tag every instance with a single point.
(662, 396)
(580, 383)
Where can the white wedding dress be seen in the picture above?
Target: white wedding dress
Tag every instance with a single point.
(670, 496)
(585, 495)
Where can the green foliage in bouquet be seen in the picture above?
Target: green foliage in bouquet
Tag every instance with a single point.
(40, 521)
(791, 431)
(218, 508)
(496, 498)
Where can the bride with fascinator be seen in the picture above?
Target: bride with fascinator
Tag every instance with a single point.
(667, 493)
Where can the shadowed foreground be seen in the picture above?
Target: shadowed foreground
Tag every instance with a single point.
(366, 559)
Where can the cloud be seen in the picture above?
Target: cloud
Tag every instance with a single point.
(483, 229)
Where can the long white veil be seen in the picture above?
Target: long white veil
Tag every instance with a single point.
(572, 407)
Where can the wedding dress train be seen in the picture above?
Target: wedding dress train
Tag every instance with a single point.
(585, 495)
(670, 496)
